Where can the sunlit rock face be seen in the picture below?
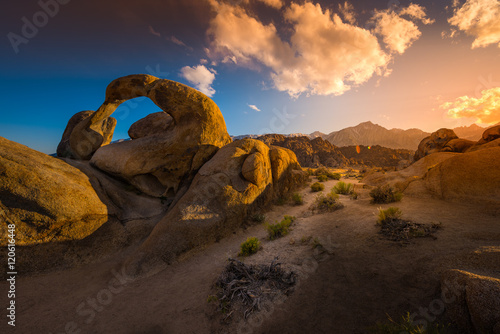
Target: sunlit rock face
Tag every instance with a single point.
(166, 148)
(241, 178)
(45, 198)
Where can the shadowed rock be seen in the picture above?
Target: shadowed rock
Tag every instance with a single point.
(107, 126)
(434, 143)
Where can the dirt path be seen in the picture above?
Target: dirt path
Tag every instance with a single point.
(354, 283)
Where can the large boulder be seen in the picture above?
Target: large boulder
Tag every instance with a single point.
(434, 143)
(158, 122)
(157, 162)
(241, 178)
(47, 199)
(473, 301)
(106, 127)
(490, 134)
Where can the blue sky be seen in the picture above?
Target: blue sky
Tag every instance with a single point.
(402, 65)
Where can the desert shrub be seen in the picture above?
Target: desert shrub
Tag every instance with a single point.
(249, 247)
(322, 178)
(334, 176)
(387, 215)
(385, 194)
(354, 195)
(297, 199)
(281, 201)
(343, 188)
(259, 217)
(316, 186)
(280, 229)
(328, 202)
(310, 172)
(406, 325)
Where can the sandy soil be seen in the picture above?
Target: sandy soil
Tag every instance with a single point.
(357, 279)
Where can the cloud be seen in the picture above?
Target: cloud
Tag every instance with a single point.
(323, 56)
(480, 19)
(398, 33)
(347, 11)
(485, 109)
(177, 41)
(273, 3)
(152, 31)
(254, 107)
(201, 77)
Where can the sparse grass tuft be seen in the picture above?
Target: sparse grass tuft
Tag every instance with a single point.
(249, 247)
(406, 325)
(259, 217)
(316, 186)
(297, 199)
(354, 195)
(327, 203)
(385, 194)
(322, 178)
(343, 188)
(387, 215)
(280, 229)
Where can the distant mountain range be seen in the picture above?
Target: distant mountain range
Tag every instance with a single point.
(370, 134)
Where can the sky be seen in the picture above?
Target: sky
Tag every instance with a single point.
(272, 66)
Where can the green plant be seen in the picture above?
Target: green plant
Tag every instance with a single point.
(316, 186)
(343, 188)
(258, 217)
(212, 299)
(305, 239)
(334, 176)
(387, 215)
(316, 243)
(328, 202)
(354, 195)
(406, 325)
(297, 199)
(385, 194)
(322, 178)
(249, 247)
(280, 229)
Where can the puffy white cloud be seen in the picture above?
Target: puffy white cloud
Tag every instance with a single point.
(201, 77)
(397, 32)
(323, 56)
(485, 109)
(479, 18)
(254, 107)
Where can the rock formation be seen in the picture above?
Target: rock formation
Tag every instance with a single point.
(445, 140)
(377, 156)
(156, 123)
(47, 199)
(241, 178)
(473, 301)
(165, 152)
(106, 127)
(310, 153)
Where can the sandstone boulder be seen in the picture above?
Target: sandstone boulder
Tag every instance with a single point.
(458, 145)
(490, 134)
(158, 122)
(106, 127)
(47, 199)
(160, 162)
(434, 143)
(473, 301)
(241, 178)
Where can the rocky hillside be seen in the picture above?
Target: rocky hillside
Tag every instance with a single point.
(368, 133)
(377, 156)
(310, 153)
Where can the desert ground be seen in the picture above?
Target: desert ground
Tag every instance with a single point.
(354, 280)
